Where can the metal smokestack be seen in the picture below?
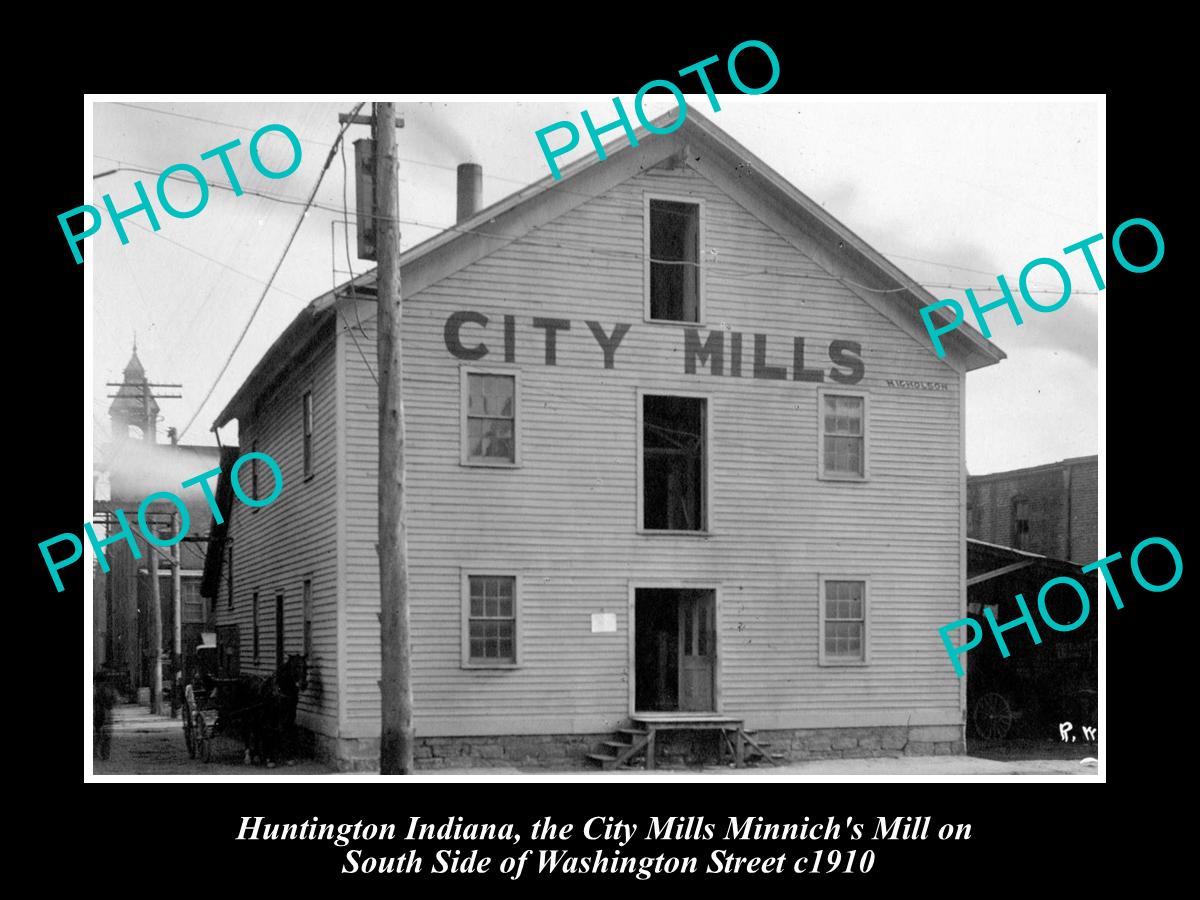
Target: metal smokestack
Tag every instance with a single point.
(470, 190)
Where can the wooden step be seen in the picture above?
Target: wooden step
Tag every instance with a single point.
(633, 732)
(619, 746)
(602, 759)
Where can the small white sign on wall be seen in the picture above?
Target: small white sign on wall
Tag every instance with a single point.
(604, 622)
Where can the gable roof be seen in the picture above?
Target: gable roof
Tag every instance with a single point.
(697, 143)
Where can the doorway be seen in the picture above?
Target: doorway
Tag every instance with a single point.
(674, 650)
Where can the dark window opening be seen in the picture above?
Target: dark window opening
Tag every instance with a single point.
(674, 261)
(673, 463)
(1020, 525)
(308, 433)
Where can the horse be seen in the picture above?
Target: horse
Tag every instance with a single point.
(268, 716)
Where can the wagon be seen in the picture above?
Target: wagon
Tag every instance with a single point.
(1032, 690)
(209, 713)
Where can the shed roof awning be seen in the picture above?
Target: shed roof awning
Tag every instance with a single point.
(987, 561)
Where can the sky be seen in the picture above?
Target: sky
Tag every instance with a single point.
(952, 191)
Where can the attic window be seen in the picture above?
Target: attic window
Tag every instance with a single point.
(673, 230)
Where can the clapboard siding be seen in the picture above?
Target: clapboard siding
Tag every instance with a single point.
(566, 519)
(278, 547)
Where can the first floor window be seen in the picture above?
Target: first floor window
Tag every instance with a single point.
(843, 621)
(491, 619)
(843, 436)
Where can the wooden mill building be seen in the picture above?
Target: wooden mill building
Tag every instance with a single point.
(678, 448)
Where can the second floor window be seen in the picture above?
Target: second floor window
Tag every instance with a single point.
(673, 463)
(843, 435)
(308, 432)
(490, 419)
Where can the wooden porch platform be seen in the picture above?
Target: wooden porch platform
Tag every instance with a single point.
(645, 727)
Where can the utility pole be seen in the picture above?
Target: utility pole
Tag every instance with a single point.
(176, 592)
(155, 630)
(396, 737)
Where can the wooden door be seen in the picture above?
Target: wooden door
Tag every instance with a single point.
(697, 651)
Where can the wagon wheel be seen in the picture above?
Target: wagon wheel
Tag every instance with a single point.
(993, 717)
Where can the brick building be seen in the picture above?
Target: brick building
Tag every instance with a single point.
(1051, 509)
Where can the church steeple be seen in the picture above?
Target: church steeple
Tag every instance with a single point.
(134, 403)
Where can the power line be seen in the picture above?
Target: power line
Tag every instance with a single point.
(165, 112)
(275, 271)
(631, 256)
(773, 270)
(211, 259)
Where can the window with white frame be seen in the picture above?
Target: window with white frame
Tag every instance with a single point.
(673, 238)
(843, 435)
(489, 418)
(490, 620)
(843, 621)
(191, 602)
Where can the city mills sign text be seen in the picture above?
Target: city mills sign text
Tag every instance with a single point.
(739, 356)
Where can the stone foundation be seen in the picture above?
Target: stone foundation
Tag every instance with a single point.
(546, 751)
(799, 744)
(569, 751)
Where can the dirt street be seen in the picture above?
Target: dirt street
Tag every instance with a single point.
(143, 744)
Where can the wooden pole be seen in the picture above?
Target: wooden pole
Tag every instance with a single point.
(155, 632)
(177, 595)
(396, 736)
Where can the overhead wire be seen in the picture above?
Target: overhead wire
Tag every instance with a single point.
(274, 272)
(773, 269)
(632, 256)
